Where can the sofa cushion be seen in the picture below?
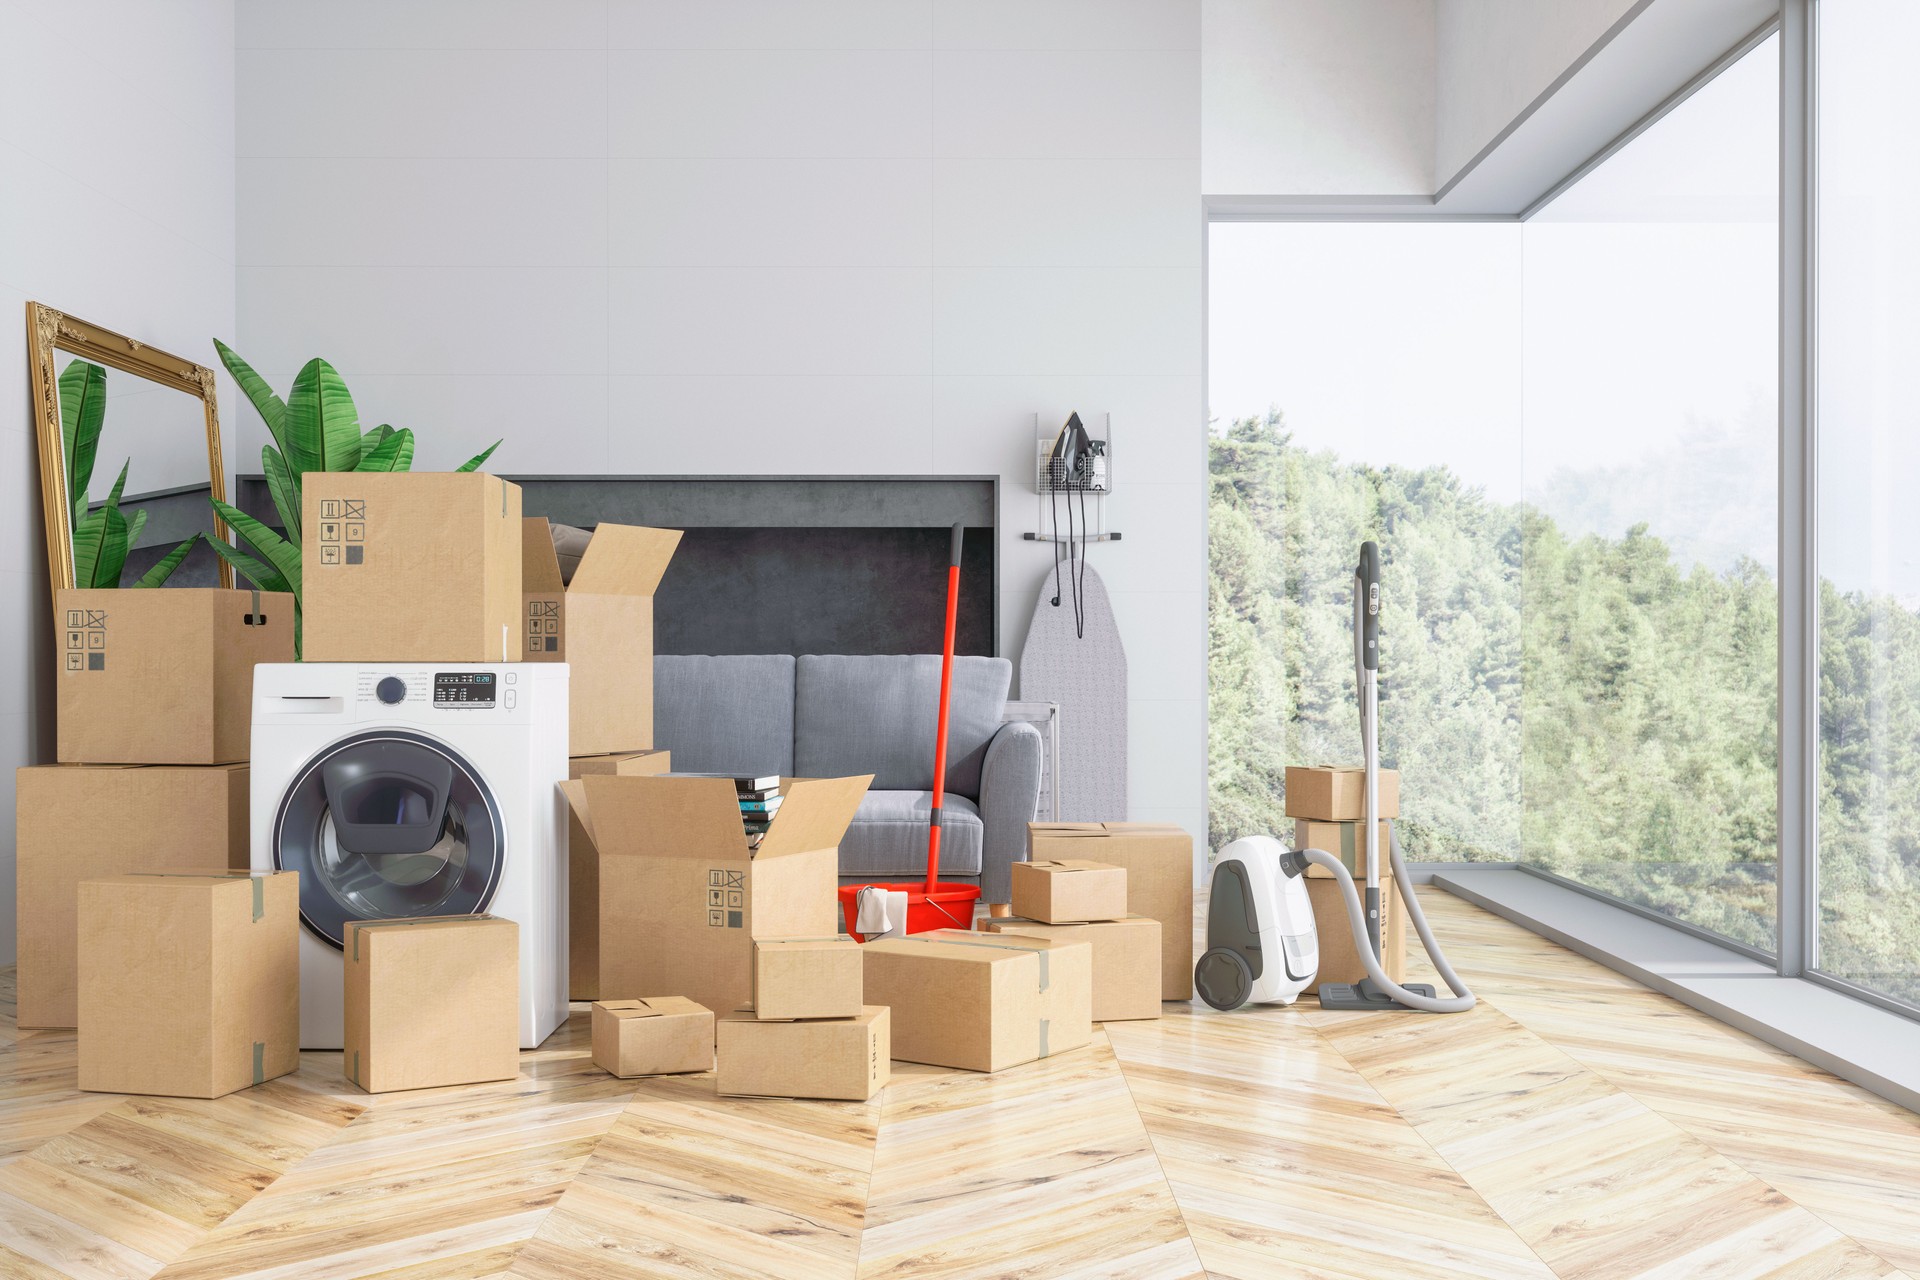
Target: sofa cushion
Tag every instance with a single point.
(728, 714)
(878, 714)
(888, 838)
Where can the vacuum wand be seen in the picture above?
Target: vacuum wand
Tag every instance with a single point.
(946, 694)
(1366, 636)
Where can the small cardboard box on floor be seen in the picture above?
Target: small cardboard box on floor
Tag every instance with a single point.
(88, 822)
(681, 898)
(981, 1002)
(806, 978)
(1342, 840)
(410, 566)
(601, 625)
(1339, 958)
(843, 1058)
(1126, 960)
(657, 1036)
(163, 677)
(1337, 793)
(1069, 891)
(189, 981)
(583, 869)
(434, 1000)
(1159, 861)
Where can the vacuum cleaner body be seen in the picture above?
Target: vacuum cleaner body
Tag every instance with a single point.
(1261, 944)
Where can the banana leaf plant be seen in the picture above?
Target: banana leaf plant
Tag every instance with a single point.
(316, 428)
(101, 538)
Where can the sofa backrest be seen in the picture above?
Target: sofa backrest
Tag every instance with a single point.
(878, 714)
(727, 714)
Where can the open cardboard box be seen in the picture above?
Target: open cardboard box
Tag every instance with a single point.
(681, 897)
(583, 870)
(601, 625)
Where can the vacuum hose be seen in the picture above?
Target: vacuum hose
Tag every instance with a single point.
(1462, 1000)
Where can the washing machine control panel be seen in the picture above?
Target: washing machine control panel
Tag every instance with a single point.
(463, 688)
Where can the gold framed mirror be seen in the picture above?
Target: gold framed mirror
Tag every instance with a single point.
(143, 429)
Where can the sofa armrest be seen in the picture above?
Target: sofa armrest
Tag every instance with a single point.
(1009, 798)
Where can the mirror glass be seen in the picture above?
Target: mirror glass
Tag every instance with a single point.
(118, 429)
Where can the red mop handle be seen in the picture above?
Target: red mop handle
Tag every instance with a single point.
(946, 694)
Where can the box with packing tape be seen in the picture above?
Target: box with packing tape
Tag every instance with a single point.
(979, 1001)
(598, 619)
(163, 677)
(189, 981)
(681, 897)
(655, 1036)
(1069, 891)
(1126, 960)
(88, 822)
(1339, 958)
(583, 869)
(1342, 840)
(1338, 793)
(430, 1001)
(842, 1058)
(806, 978)
(1158, 857)
(410, 566)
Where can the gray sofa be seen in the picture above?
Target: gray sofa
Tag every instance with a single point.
(830, 716)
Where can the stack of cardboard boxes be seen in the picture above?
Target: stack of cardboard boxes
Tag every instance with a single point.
(1328, 806)
(1075, 900)
(1158, 860)
(810, 1032)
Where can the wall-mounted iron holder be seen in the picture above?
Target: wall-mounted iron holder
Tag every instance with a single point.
(1090, 484)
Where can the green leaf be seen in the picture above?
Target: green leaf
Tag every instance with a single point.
(284, 488)
(374, 437)
(323, 427)
(100, 548)
(282, 554)
(119, 484)
(262, 577)
(395, 453)
(473, 463)
(163, 570)
(135, 523)
(83, 410)
(271, 408)
(88, 532)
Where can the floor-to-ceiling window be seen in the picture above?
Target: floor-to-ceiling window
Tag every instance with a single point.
(1868, 428)
(1651, 440)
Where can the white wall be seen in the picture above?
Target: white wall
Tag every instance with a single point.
(850, 236)
(116, 205)
(1494, 57)
(1318, 97)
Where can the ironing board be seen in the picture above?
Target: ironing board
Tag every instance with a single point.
(1087, 676)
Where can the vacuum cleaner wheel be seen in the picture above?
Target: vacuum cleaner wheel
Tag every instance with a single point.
(1223, 978)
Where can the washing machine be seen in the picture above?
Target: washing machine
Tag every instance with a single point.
(410, 789)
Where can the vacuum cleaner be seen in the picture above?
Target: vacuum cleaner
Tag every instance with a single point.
(1261, 945)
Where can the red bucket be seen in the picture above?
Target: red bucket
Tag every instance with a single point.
(948, 906)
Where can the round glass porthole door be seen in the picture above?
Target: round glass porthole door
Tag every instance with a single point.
(386, 825)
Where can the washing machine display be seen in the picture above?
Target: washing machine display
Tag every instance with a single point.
(388, 824)
(463, 688)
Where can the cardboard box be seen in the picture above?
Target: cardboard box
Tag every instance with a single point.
(189, 981)
(806, 978)
(844, 1058)
(1158, 857)
(981, 1001)
(1069, 891)
(163, 677)
(1338, 793)
(88, 822)
(1126, 960)
(657, 1036)
(601, 625)
(1339, 959)
(432, 1000)
(1342, 840)
(410, 566)
(583, 870)
(680, 897)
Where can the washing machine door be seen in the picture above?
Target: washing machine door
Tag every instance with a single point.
(387, 824)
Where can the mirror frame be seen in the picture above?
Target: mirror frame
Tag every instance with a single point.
(49, 331)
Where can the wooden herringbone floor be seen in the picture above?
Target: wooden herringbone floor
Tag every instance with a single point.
(1574, 1125)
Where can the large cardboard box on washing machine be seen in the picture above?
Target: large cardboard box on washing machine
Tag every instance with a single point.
(410, 566)
(75, 822)
(163, 677)
(681, 896)
(583, 868)
(600, 623)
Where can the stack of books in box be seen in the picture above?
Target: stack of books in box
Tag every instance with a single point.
(759, 801)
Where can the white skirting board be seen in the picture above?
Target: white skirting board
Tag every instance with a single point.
(1086, 674)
